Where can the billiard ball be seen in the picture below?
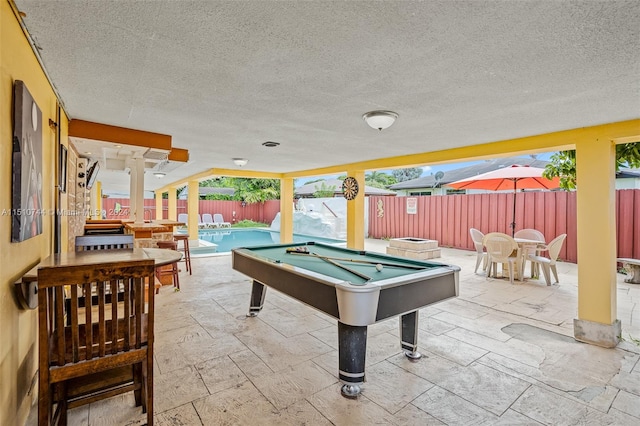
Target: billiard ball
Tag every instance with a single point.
(379, 267)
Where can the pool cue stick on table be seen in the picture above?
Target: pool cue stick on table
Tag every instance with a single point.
(326, 259)
(368, 262)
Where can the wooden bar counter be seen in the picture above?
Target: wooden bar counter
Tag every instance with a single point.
(147, 229)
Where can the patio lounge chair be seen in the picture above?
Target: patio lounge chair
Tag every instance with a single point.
(219, 220)
(207, 219)
(201, 224)
(183, 218)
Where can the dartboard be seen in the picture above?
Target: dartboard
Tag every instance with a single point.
(350, 188)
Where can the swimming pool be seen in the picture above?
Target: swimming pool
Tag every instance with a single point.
(222, 241)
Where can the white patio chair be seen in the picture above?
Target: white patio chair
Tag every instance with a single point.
(207, 219)
(549, 263)
(477, 236)
(184, 218)
(201, 224)
(529, 234)
(219, 220)
(501, 248)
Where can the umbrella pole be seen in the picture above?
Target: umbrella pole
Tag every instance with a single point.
(513, 222)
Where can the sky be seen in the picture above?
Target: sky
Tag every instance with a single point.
(426, 170)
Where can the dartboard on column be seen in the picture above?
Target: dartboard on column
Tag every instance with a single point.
(350, 188)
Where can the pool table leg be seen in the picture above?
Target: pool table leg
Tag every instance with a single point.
(409, 335)
(352, 349)
(258, 291)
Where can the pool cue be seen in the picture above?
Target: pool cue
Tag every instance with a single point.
(344, 259)
(326, 259)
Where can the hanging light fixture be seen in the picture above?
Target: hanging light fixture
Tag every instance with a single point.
(240, 161)
(380, 120)
(159, 169)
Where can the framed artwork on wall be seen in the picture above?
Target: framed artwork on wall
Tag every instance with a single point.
(26, 199)
(62, 169)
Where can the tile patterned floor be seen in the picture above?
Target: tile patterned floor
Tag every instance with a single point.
(499, 354)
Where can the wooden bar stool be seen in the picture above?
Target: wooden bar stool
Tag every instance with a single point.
(171, 269)
(185, 248)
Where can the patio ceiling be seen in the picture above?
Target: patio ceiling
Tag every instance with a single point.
(223, 77)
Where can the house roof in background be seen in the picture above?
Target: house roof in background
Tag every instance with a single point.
(626, 173)
(310, 188)
(468, 171)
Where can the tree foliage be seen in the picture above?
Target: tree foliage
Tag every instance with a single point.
(256, 190)
(379, 179)
(247, 190)
(409, 173)
(323, 190)
(563, 164)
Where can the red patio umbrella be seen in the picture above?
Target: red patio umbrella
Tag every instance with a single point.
(514, 177)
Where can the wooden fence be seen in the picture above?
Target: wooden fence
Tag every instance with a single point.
(447, 218)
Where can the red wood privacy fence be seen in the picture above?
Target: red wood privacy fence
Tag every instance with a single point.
(447, 218)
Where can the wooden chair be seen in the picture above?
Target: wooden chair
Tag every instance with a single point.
(171, 269)
(109, 242)
(107, 349)
(104, 242)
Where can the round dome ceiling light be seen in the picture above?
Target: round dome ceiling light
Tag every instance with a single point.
(380, 120)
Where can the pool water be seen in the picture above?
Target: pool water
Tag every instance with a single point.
(214, 241)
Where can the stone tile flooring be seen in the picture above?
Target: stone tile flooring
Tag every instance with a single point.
(499, 354)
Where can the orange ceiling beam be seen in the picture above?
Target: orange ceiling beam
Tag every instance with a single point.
(179, 154)
(119, 135)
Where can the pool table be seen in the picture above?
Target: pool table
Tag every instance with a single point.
(357, 288)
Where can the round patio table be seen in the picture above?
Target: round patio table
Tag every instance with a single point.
(162, 257)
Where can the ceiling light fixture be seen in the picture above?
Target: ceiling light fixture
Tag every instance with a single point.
(380, 120)
(270, 144)
(240, 161)
(158, 172)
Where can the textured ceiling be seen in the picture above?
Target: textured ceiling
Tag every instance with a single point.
(224, 77)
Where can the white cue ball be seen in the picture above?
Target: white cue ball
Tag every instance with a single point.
(378, 267)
